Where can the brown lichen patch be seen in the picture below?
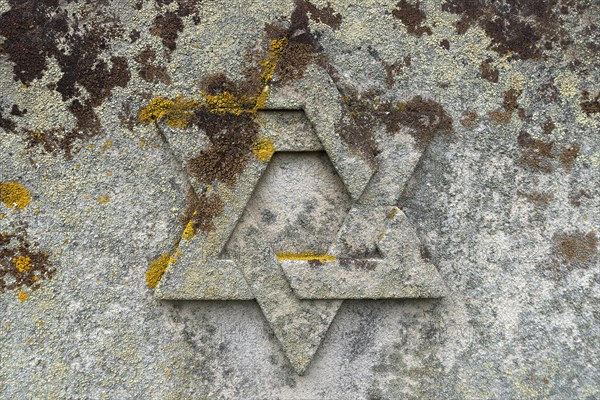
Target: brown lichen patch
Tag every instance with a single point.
(127, 116)
(201, 210)
(538, 154)
(575, 198)
(412, 17)
(394, 69)
(21, 264)
(591, 106)
(302, 47)
(424, 117)
(149, 71)
(548, 127)
(568, 155)
(522, 28)
(227, 113)
(488, 71)
(539, 199)
(13, 194)
(167, 26)
(576, 247)
(231, 137)
(509, 105)
(326, 15)
(37, 31)
(469, 119)
(445, 44)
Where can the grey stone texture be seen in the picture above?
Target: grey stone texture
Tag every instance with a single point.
(444, 156)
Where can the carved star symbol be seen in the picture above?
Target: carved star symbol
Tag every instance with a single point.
(298, 293)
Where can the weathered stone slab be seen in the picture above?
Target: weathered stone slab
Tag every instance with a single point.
(300, 199)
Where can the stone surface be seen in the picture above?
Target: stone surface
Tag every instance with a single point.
(125, 166)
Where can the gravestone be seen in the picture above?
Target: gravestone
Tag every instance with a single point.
(299, 200)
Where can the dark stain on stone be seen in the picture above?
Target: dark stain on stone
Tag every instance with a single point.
(576, 247)
(591, 106)
(356, 263)
(568, 155)
(149, 71)
(35, 267)
(134, 36)
(538, 154)
(268, 217)
(412, 17)
(518, 27)
(575, 198)
(5, 122)
(17, 112)
(488, 72)
(539, 199)
(445, 44)
(425, 253)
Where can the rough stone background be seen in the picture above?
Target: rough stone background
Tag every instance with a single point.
(505, 199)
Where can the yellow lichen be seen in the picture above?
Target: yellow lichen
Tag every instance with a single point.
(13, 194)
(177, 114)
(103, 199)
(226, 102)
(393, 213)
(159, 266)
(189, 231)
(263, 149)
(277, 48)
(305, 256)
(22, 263)
(22, 296)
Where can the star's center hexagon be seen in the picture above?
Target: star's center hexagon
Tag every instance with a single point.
(299, 204)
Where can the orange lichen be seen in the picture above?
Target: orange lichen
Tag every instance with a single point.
(263, 149)
(305, 256)
(22, 296)
(22, 263)
(13, 194)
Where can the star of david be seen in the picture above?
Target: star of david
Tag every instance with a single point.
(300, 295)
